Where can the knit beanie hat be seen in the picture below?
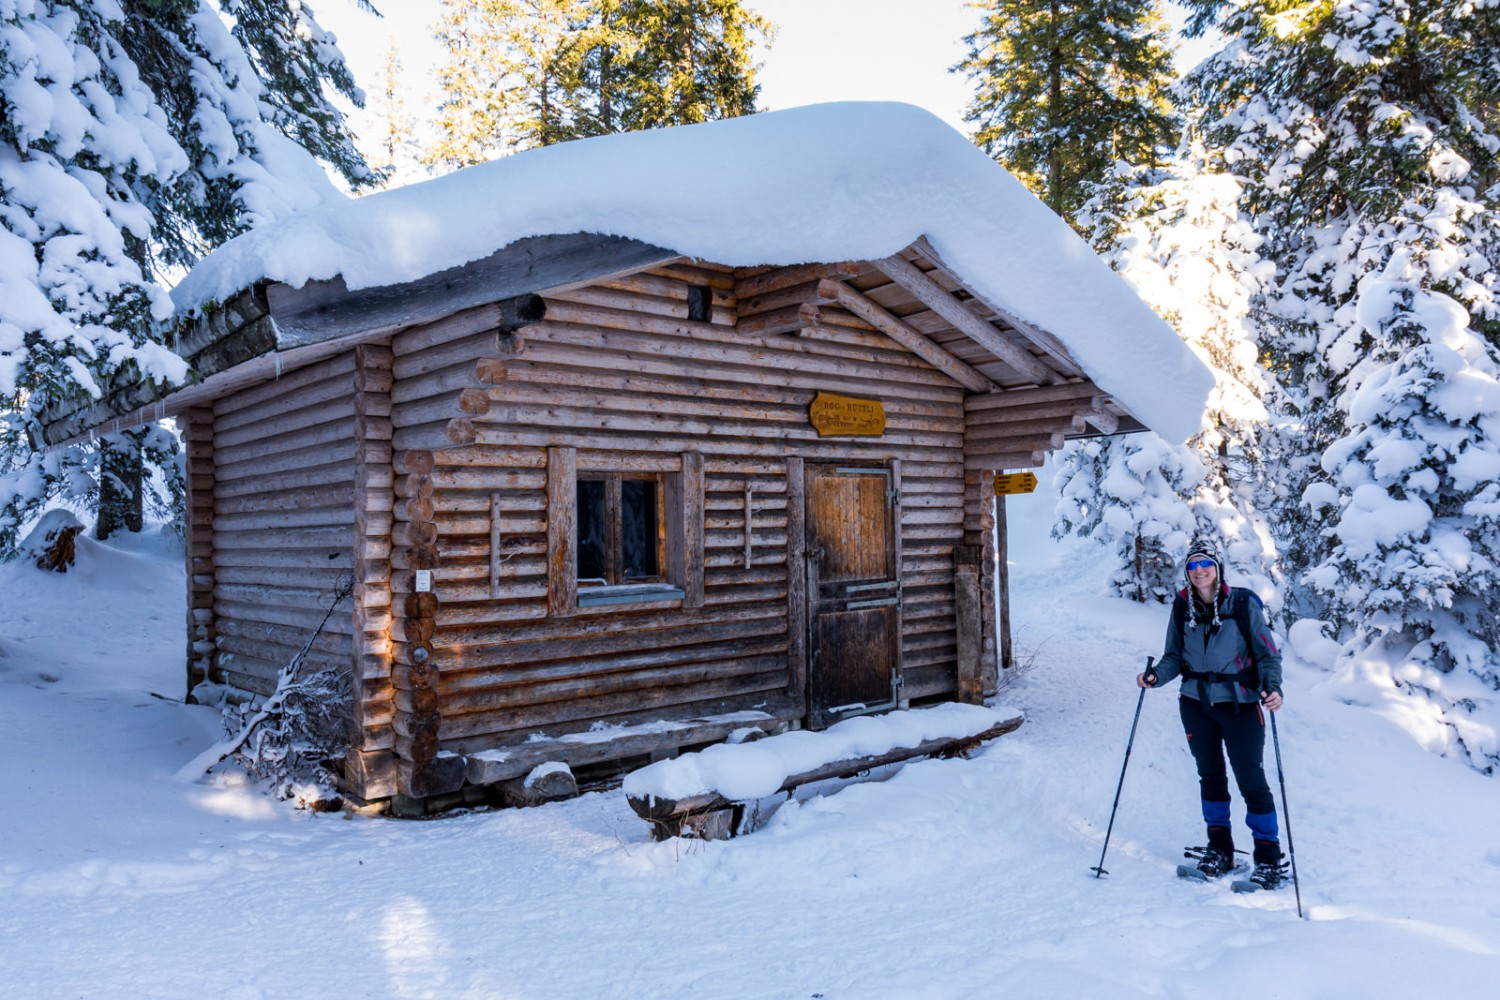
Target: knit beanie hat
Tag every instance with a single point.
(1199, 549)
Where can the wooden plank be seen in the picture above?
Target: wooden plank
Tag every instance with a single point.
(516, 379)
(692, 529)
(783, 298)
(675, 306)
(796, 581)
(749, 525)
(904, 335)
(291, 409)
(936, 298)
(496, 537)
(894, 374)
(1067, 424)
(742, 692)
(668, 285)
(1000, 461)
(1006, 651)
(899, 531)
(288, 385)
(787, 277)
(1034, 396)
(967, 615)
(562, 529)
(625, 685)
(994, 577)
(521, 680)
(778, 321)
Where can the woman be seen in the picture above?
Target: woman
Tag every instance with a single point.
(1219, 644)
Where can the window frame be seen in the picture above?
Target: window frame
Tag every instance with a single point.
(614, 529)
(680, 534)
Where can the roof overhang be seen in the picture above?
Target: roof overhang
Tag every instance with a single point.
(272, 327)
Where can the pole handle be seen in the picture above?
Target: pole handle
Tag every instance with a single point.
(1151, 671)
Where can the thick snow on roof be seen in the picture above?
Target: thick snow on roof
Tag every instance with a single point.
(830, 182)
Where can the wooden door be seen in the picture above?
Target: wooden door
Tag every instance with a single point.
(854, 592)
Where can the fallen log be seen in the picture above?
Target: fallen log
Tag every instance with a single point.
(710, 814)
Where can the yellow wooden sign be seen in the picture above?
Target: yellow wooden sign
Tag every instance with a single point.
(844, 415)
(1014, 482)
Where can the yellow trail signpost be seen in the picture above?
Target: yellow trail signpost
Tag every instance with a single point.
(1014, 482)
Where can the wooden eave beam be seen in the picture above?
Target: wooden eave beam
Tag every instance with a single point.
(892, 326)
(326, 310)
(1038, 336)
(937, 298)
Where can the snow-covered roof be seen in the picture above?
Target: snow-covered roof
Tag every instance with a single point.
(825, 183)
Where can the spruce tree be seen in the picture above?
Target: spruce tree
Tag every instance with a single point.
(479, 96)
(526, 73)
(397, 149)
(1365, 136)
(1176, 234)
(137, 134)
(1064, 88)
(692, 61)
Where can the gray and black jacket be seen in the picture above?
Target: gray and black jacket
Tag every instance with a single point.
(1206, 647)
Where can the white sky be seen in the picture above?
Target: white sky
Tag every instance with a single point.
(825, 50)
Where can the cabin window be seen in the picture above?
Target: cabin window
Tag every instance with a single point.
(700, 303)
(624, 536)
(619, 529)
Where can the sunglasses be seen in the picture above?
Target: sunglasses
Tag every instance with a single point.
(1200, 564)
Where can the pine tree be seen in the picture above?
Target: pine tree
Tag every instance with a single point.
(1364, 133)
(1176, 234)
(85, 149)
(133, 142)
(1126, 493)
(398, 150)
(692, 62)
(479, 95)
(526, 73)
(1067, 87)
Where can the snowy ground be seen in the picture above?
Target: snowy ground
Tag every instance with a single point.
(951, 879)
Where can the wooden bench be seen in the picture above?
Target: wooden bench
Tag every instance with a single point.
(711, 813)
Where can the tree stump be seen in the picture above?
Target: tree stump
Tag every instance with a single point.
(51, 544)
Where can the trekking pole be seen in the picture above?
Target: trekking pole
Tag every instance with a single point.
(1098, 869)
(1286, 813)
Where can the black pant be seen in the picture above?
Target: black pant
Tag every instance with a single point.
(1240, 730)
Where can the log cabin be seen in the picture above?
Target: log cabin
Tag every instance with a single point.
(627, 444)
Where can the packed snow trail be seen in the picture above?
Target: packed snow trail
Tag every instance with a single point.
(959, 878)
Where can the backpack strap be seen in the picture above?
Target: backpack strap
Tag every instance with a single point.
(1239, 610)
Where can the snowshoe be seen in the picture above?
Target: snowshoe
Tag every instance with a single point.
(1212, 863)
(1267, 875)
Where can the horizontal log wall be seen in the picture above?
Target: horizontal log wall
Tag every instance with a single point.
(618, 373)
(283, 523)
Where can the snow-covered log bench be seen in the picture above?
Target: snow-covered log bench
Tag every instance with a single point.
(705, 794)
(515, 764)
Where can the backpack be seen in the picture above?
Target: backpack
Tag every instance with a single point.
(1239, 610)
